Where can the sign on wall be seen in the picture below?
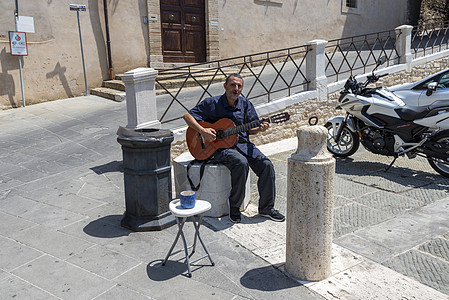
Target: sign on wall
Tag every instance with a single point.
(25, 24)
(18, 43)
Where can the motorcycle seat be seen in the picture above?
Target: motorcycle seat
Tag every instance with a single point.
(439, 104)
(410, 113)
(438, 107)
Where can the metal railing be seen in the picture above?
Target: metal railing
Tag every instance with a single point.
(356, 54)
(280, 73)
(266, 75)
(429, 39)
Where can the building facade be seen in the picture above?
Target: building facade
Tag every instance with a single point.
(166, 33)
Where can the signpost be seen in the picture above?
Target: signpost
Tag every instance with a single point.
(78, 8)
(20, 46)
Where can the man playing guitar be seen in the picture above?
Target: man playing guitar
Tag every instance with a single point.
(244, 154)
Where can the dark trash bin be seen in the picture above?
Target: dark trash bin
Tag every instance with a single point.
(147, 176)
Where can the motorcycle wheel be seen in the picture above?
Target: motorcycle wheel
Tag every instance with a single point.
(349, 142)
(439, 165)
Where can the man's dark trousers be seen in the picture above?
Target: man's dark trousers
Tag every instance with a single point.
(239, 165)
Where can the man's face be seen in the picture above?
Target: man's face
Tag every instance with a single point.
(233, 88)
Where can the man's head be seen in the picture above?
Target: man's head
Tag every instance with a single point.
(233, 87)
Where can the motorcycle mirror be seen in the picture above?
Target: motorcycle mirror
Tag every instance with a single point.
(381, 60)
(431, 87)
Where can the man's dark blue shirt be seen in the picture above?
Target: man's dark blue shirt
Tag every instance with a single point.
(214, 108)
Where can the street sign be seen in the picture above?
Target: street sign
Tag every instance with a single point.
(77, 7)
(18, 43)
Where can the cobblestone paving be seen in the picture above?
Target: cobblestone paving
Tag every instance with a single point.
(425, 264)
(366, 195)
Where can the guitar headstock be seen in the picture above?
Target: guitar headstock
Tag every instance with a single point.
(279, 118)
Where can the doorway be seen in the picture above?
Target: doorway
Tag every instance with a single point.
(183, 31)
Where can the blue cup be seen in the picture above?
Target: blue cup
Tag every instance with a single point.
(187, 199)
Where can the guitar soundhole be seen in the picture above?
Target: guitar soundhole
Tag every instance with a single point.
(219, 134)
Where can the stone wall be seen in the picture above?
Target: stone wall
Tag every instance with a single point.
(301, 112)
(434, 11)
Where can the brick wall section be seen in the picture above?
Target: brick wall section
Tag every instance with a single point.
(212, 36)
(154, 32)
(301, 112)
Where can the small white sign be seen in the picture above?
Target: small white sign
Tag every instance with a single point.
(18, 43)
(152, 17)
(25, 24)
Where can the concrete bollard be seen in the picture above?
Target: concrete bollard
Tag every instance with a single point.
(310, 195)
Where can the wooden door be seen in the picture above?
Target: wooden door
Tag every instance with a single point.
(183, 30)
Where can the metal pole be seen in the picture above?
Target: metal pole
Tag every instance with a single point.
(82, 53)
(108, 40)
(16, 16)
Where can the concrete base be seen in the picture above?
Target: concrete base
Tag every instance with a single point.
(215, 185)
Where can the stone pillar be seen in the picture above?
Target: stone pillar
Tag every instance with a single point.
(310, 195)
(404, 45)
(316, 68)
(141, 98)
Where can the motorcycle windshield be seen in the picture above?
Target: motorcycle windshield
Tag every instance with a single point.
(390, 96)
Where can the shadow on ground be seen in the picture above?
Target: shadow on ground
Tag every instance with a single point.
(113, 166)
(267, 279)
(104, 228)
(157, 272)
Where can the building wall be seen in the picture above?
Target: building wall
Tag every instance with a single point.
(263, 25)
(53, 68)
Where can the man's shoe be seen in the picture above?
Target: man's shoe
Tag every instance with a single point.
(235, 218)
(274, 215)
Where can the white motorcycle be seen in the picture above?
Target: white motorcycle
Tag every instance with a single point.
(385, 125)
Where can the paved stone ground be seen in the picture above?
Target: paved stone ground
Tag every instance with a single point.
(61, 202)
(397, 218)
(62, 197)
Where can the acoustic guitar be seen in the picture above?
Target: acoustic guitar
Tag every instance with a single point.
(226, 135)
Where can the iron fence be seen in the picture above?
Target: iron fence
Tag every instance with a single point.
(267, 76)
(275, 74)
(429, 39)
(358, 53)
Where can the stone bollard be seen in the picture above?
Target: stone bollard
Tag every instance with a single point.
(309, 206)
(141, 105)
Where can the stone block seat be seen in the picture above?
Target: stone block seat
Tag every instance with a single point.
(215, 185)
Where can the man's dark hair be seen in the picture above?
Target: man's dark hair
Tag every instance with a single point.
(237, 75)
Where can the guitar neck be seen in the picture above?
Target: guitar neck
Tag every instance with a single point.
(243, 127)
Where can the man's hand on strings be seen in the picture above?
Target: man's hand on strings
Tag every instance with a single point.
(208, 134)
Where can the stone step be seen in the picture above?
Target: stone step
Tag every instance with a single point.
(115, 84)
(109, 93)
(171, 80)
